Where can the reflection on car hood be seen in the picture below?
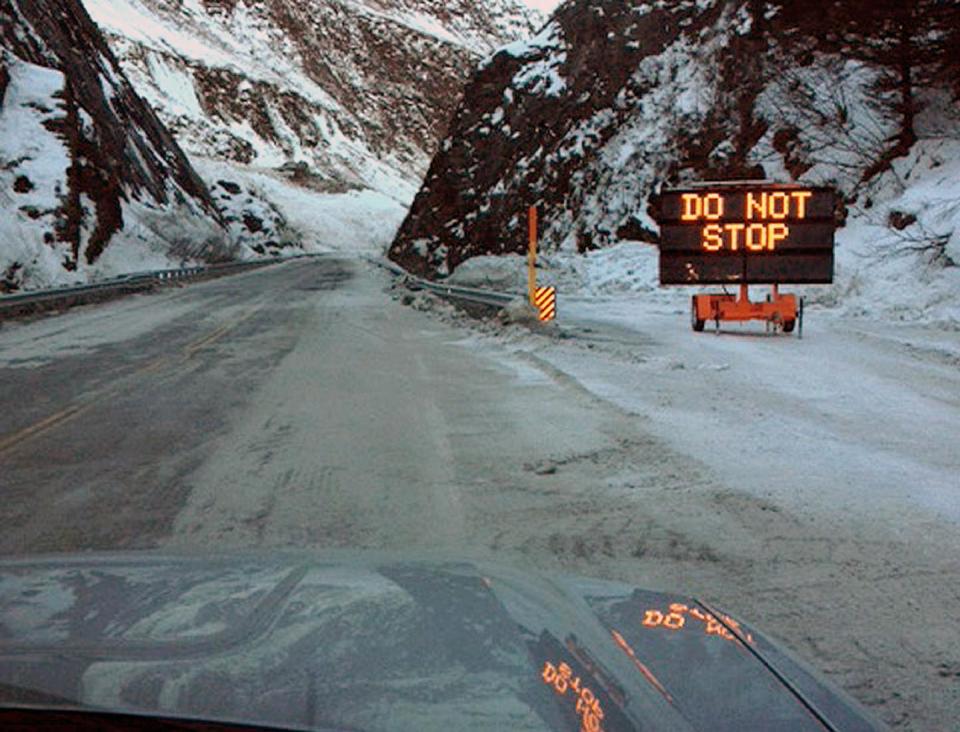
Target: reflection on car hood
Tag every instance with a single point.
(369, 642)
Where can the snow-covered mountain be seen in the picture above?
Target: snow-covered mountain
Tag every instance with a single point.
(348, 99)
(91, 183)
(611, 100)
(345, 94)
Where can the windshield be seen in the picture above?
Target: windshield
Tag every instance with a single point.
(661, 295)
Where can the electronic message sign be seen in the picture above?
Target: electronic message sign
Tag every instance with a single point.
(746, 234)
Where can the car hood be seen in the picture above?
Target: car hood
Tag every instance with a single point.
(372, 642)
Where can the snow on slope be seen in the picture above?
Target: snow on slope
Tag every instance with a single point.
(91, 184)
(363, 220)
(358, 90)
(880, 272)
(28, 103)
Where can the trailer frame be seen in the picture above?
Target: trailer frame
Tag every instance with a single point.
(780, 311)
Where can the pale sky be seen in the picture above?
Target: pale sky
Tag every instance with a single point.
(546, 6)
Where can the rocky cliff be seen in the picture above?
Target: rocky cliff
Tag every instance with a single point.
(611, 100)
(90, 180)
(342, 94)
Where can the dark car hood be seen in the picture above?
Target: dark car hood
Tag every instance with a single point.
(369, 642)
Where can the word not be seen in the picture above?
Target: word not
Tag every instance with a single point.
(559, 678)
(777, 206)
(676, 618)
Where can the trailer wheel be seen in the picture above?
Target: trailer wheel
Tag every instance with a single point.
(695, 322)
(788, 325)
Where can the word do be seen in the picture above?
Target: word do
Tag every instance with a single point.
(676, 618)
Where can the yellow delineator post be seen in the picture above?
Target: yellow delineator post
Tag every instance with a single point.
(544, 299)
(532, 255)
(546, 302)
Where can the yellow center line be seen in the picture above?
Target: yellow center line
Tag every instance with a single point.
(65, 415)
(191, 348)
(38, 428)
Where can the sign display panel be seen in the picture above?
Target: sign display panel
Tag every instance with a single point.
(750, 234)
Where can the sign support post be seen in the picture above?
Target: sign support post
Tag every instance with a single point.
(532, 254)
(544, 299)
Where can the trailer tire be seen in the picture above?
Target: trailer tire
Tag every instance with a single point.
(788, 325)
(695, 322)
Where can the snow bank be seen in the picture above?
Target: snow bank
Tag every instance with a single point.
(356, 221)
(629, 268)
(894, 258)
(881, 272)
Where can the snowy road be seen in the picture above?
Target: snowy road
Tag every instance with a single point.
(831, 498)
(809, 486)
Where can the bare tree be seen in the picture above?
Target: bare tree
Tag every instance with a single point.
(899, 40)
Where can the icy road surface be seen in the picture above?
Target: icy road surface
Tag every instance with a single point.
(809, 486)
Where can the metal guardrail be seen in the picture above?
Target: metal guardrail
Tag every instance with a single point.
(470, 294)
(25, 303)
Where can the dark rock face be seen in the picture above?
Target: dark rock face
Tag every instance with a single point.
(614, 99)
(533, 119)
(22, 184)
(117, 150)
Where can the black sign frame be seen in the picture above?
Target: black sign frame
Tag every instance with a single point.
(791, 235)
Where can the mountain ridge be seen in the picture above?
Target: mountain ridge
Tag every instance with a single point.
(612, 100)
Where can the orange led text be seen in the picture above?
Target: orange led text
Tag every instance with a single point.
(676, 618)
(758, 227)
(735, 237)
(777, 206)
(560, 678)
(696, 207)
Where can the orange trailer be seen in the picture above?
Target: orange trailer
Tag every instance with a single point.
(780, 311)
